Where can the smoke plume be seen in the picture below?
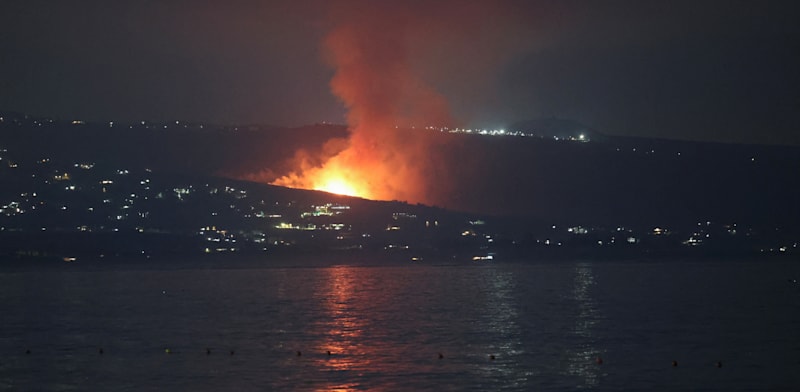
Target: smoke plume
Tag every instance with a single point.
(378, 51)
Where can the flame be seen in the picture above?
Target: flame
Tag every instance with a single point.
(375, 49)
(338, 185)
(337, 175)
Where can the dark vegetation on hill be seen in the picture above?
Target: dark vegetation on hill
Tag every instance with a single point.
(603, 180)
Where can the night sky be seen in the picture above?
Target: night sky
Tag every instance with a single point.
(718, 71)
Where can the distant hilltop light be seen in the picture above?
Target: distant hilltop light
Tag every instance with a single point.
(563, 136)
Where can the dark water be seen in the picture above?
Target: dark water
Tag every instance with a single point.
(545, 324)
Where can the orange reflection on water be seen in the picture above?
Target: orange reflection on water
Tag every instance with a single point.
(344, 324)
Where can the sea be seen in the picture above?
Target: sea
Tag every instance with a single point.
(525, 325)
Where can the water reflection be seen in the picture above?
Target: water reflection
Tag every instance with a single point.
(342, 326)
(500, 318)
(583, 353)
(386, 329)
(341, 354)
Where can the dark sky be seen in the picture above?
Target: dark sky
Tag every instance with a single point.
(720, 70)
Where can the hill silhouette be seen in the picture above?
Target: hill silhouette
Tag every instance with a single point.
(608, 179)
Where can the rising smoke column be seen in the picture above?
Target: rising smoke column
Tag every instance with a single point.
(374, 48)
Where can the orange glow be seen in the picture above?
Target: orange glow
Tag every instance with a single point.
(383, 158)
(385, 56)
(339, 186)
(335, 176)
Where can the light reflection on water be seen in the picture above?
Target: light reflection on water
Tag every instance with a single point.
(583, 354)
(385, 328)
(341, 327)
(499, 290)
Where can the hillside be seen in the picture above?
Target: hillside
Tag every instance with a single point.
(607, 179)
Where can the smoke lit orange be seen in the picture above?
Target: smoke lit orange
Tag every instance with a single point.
(377, 83)
(375, 49)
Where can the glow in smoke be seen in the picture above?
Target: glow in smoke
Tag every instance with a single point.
(374, 48)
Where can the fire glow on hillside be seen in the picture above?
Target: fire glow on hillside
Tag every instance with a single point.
(376, 50)
(375, 80)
